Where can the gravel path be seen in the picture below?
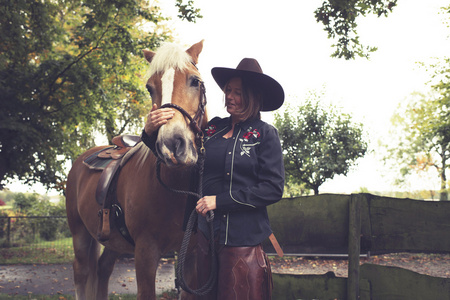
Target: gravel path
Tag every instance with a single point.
(58, 278)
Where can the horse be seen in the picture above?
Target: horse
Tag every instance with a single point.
(153, 215)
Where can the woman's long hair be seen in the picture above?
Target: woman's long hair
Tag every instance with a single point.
(251, 101)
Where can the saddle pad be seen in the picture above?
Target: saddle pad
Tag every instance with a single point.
(94, 162)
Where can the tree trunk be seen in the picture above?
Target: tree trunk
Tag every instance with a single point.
(316, 190)
(444, 192)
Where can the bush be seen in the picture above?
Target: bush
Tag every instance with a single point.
(25, 202)
(3, 223)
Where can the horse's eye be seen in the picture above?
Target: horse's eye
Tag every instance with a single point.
(195, 82)
(149, 89)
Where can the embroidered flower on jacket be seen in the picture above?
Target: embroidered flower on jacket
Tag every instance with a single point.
(251, 133)
(211, 130)
(244, 145)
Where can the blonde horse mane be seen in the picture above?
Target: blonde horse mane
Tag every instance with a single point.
(169, 56)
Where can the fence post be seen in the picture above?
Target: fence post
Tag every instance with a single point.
(354, 246)
(8, 232)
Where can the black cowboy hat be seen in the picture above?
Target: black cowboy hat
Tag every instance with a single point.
(250, 70)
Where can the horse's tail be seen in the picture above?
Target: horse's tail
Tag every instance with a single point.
(92, 278)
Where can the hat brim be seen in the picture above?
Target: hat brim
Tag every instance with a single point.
(273, 93)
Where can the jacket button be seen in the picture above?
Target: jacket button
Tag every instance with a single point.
(229, 152)
(228, 174)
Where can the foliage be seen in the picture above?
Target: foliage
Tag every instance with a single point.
(52, 228)
(421, 131)
(292, 188)
(24, 202)
(318, 143)
(36, 206)
(7, 196)
(188, 11)
(70, 69)
(339, 18)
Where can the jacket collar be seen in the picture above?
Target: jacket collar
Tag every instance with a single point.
(243, 125)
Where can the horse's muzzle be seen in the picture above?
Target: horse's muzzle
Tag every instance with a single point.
(177, 151)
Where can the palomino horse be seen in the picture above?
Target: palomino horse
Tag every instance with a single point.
(153, 215)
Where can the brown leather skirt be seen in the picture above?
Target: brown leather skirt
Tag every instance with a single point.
(243, 272)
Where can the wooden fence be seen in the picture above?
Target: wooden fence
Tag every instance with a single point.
(355, 224)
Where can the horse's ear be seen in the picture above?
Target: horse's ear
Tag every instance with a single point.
(195, 50)
(148, 55)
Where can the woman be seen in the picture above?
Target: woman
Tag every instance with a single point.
(243, 174)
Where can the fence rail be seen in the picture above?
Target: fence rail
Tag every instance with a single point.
(355, 224)
(20, 235)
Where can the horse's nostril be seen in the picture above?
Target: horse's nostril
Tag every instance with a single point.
(180, 146)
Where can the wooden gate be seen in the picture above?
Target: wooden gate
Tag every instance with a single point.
(355, 224)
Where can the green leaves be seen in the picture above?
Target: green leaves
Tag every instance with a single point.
(318, 143)
(339, 20)
(421, 129)
(70, 70)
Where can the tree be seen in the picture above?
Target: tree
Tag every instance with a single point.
(422, 132)
(24, 202)
(69, 69)
(318, 143)
(339, 20)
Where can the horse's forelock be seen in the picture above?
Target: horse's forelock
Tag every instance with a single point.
(169, 56)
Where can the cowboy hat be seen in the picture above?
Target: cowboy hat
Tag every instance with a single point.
(250, 70)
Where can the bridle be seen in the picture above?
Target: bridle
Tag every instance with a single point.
(195, 125)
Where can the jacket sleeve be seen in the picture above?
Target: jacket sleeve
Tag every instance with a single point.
(269, 185)
(150, 141)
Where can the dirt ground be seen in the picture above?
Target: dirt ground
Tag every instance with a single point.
(437, 265)
(58, 279)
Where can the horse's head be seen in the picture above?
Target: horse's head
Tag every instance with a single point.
(175, 82)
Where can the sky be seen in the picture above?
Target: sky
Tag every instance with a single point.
(294, 49)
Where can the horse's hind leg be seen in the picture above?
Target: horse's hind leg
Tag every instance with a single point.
(105, 268)
(86, 251)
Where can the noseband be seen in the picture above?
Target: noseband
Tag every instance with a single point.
(196, 121)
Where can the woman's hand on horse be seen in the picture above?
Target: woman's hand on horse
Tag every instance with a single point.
(206, 204)
(157, 117)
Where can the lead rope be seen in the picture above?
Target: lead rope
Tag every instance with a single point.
(205, 289)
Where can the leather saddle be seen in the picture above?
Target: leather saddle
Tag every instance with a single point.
(108, 161)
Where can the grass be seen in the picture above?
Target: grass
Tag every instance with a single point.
(54, 252)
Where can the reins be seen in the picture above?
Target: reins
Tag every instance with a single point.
(195, 124)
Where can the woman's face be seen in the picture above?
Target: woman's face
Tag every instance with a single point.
(233, 96)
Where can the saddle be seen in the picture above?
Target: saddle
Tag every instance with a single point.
(108, 161)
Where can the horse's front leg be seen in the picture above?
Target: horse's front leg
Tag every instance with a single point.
(146, 257)
(105, 268)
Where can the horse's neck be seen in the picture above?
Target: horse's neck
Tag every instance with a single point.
(144, 159)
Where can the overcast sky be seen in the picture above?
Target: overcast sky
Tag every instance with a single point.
(293, 48)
